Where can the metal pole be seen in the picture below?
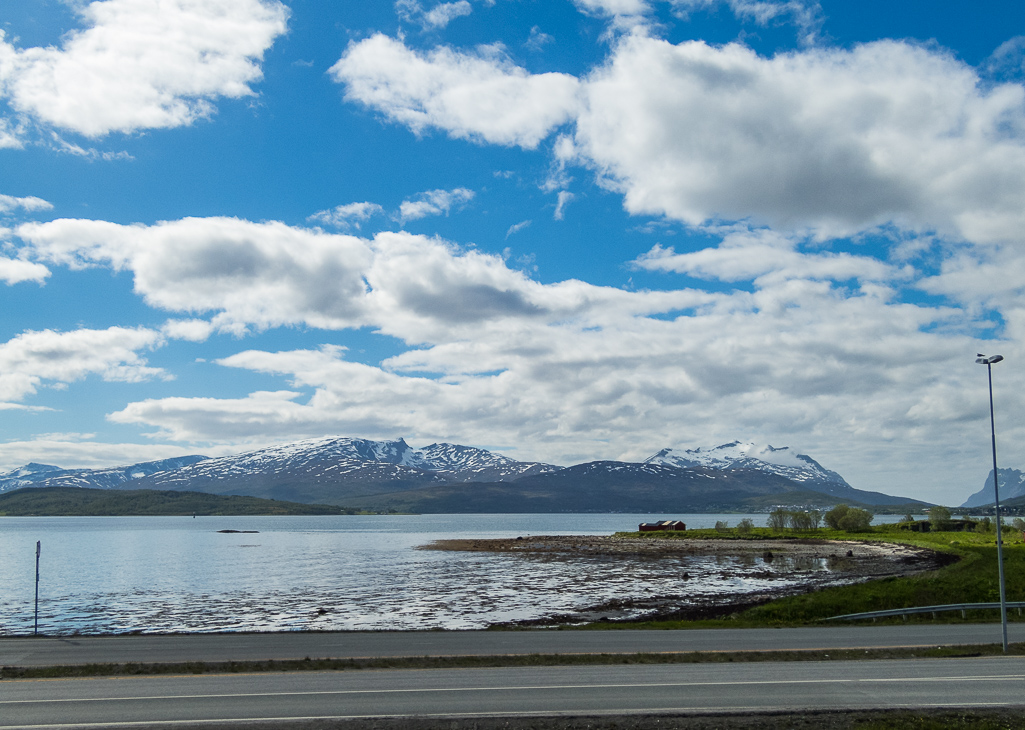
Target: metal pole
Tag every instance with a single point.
(996, 504)
(35, 629)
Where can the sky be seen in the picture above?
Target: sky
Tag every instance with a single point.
(564, 230)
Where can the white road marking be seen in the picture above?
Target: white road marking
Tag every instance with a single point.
(425, 690)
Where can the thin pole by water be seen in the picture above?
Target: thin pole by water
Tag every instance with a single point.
(35, 629)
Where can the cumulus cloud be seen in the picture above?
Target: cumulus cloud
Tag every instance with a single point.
(191, 330)
(258, 274)
(434, 202)
(35, 359)
(141, 64)
(412, 11)
(479, 96)
(832, 141)
(348, 216)
(15, 271)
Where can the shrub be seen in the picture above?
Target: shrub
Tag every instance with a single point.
(721, 526)
(855, 520)
(778, 519)
(834, 515)
(745, 526)
(849, 519)
(800, 521)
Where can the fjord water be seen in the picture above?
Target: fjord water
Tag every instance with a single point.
(179, 574)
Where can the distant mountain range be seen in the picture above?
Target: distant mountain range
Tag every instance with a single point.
(1012, 485)
(448, 478)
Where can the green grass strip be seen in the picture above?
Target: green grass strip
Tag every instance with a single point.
(971, 578)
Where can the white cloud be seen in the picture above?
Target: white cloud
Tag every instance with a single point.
(831, 141)
(517, 227)
(614, 7)
(80, 451)
(15, 271)
(191, 330)
(478, 96)
(828, 141)
(439, 16)
(142, 64)
(765, 257)
(348, 216)
(538, 39)
(34, 359)
(565, 198)
(805, 14)
(1008, 59)
(10, 135)
(434, 202)
(258, 274)
(9, 203)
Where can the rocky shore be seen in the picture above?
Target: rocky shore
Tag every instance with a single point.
(758, 570)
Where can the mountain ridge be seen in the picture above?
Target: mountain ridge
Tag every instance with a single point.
(363, 473)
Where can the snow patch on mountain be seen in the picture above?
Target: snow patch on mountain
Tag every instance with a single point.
(46, 475)
(782, 461)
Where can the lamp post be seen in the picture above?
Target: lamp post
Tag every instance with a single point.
(989, 362)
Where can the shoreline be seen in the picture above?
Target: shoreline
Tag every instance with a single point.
(805, 565)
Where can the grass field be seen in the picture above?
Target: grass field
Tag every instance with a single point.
(972, 578)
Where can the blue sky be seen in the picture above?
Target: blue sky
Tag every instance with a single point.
(566, 231)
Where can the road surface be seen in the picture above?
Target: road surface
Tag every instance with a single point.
(589, 690)
(35, 652)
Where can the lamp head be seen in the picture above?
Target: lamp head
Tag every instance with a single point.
(983, 360)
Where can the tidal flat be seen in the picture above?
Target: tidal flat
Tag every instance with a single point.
(713, 578)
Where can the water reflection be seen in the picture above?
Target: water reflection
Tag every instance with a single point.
(104, 575)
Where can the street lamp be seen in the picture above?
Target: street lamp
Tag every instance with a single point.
(989, 362)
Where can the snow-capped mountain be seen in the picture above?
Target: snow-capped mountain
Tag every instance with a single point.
(1012, 484)
(469, 464)
(324, 469)
(27, 476)
(384, 475)
(333, 469)
(46, 475)
(782, 461)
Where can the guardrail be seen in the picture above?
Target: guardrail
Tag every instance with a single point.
(962, 607)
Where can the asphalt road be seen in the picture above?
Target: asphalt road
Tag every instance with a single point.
(589, 690)
(37, 652)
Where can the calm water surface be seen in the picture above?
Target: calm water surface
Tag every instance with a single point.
(177, 574)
